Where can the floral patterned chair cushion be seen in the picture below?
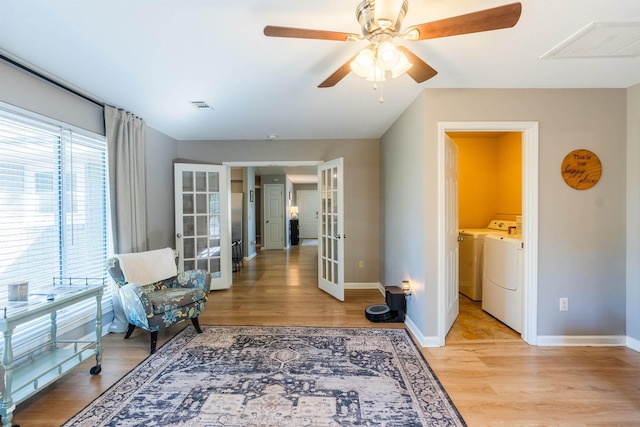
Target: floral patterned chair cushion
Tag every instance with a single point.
(163, 303)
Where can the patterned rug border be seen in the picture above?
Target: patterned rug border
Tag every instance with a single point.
(185, 335)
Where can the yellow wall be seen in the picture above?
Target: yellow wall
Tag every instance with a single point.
(490, 177)
(509, 170)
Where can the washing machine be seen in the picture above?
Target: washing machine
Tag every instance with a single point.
(470, 260)
(502, 280)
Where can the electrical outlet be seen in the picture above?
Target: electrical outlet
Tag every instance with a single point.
(361, 264)
(564, 304)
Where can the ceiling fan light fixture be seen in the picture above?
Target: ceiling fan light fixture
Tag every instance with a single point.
(387, 57)
(376, 74)
(364, 62)
(402, 66)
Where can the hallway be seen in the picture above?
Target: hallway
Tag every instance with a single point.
(281, 287)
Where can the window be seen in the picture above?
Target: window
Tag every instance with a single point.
(53, 201)
(12, 178)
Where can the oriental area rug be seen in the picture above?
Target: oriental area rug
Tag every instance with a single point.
(278, 376)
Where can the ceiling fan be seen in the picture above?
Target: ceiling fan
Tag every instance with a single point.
(381, 22)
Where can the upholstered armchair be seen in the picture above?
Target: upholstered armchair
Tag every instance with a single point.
(154, 294)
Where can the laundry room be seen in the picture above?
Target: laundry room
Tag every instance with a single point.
(490, 204)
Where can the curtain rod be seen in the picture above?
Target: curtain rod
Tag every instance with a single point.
(50, 80)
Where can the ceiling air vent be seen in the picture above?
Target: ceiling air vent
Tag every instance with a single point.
(601, 40)
(201, 105)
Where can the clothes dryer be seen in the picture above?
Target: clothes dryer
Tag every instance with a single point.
(470, 259)
(503, 279)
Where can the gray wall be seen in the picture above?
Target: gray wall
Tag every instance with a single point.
(249, 233)
(361, 186)
(582, 234)
(160, 151)
(404, 215)
(22, 89)
(633, 216)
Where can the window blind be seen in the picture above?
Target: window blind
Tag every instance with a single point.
(53, 206)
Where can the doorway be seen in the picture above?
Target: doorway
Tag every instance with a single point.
(273, 216)
(329, 223)
(529, 132)
(489, 183)
(307, 201)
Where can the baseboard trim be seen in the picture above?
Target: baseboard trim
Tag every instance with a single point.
(250, 257)
(423, 341)
(362, 286)
(633, 344)
(582, 340)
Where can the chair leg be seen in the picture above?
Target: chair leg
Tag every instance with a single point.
(196, 324)
(154, 341)
(129, 331)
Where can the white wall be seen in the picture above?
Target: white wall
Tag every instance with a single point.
(582, 234)
(633, 216)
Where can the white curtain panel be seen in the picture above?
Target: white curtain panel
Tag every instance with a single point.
(125, 147)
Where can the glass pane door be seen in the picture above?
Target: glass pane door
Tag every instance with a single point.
(202, 220)
(331, 235)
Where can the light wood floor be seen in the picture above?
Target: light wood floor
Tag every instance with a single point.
(492, 376)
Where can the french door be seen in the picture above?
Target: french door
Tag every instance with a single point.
(202, 220)
(451, 234)
(331, 229)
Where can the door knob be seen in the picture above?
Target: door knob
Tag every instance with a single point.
(179, 235)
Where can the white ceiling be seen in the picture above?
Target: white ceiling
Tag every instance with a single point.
(153, 57)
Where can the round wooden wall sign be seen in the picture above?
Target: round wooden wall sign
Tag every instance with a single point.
(581, 169)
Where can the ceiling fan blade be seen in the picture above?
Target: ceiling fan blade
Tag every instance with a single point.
(421, 71)
(485, 20)
(339, 74)
(303, 33)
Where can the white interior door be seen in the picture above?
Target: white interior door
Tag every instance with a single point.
(273, 235)
(308, 211)
(202, 215)
(451, 233)
(331, 229)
